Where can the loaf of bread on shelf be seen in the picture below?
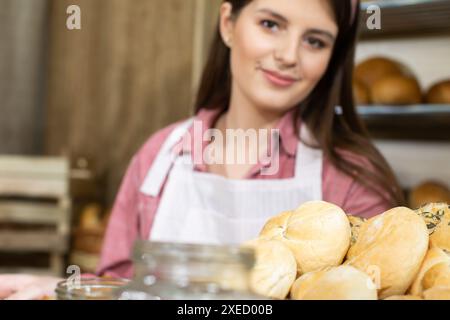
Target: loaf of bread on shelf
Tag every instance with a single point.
(275, 269)
(439, 93)
(396, 90)
(375, 68)
(428, 192)
(336, 283)
(361, 93)
(318, 234)
(391, 248)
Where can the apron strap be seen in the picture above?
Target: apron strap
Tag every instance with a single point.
(160, 168)
(309, 160)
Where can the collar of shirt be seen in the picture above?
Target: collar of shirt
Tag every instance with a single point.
(208, 117)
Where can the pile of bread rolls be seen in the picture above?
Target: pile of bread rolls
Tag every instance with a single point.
(385, 81)
(318, 252)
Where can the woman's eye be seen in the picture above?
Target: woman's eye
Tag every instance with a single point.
(316, 43)
(269, 24)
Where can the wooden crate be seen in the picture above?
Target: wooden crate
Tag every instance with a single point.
(35, 207)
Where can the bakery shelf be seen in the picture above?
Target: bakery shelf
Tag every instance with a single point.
(403, 17)
(417, 122)
(413, 110)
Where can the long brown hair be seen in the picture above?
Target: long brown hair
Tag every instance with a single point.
(334, 132)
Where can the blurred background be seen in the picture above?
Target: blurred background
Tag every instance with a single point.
(77, 104)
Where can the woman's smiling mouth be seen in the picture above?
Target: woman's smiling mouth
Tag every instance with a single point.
(279, 80)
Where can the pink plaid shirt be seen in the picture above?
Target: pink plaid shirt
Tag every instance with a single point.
(133, 212)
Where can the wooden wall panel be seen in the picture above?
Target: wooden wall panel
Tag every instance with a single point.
(22, 46)
(206, 18)
(126, 74)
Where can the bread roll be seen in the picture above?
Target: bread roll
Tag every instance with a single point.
(396, 90)
(437, 293)
(439, 93)
(391, 247)
(355, 225)
(318, 233)
(403, 298)
(376, 68)
(337, 283)
(90, 217)
(437, 276)
(434, 257)
(428, 192)
(275, 269)
(361, 93)
(437, 218)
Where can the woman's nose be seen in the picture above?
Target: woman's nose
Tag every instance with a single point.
(287, 53)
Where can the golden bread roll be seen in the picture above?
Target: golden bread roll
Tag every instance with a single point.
(376, 68)
(439, 93)
(428, 192)
(90, 217)
(396, 90)
(437, 276)
(404, 298)
(275, 269)
(355, 225)
(318, 234)
(434, 257)
(437, 218)
(337, 283)
(391, 248)
(360, 93)
(437, 293)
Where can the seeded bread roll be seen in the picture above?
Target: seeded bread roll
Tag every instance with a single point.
(437, 293)
(428, 192)
(355, 224)
(391, 247)
(437, 218)
(318, 233)
(434, 257)
(337, 283)
(275, 269)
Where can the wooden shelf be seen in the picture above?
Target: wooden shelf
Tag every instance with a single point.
(407, 17)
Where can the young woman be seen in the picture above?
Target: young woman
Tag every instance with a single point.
(274, 64)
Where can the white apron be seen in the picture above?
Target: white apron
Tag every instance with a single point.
(204, 208)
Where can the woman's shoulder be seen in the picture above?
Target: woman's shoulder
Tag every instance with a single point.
(353, 196)
(147, 153)
(348, 156)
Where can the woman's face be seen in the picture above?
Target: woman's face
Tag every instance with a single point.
(292, 39)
